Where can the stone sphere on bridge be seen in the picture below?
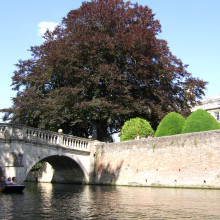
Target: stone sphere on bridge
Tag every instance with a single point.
(60, 130)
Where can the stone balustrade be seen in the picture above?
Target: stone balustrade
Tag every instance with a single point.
(11, 131)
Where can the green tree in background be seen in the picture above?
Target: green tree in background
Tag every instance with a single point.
(200, 120)
(171, 124)
(100, 67)
(135, 126)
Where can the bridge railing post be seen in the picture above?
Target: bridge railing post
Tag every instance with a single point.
(5, 131)
(60, 140)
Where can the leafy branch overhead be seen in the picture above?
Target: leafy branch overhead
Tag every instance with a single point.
(103, 65)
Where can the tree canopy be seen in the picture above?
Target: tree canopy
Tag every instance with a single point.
(135, 126)
(103, 65)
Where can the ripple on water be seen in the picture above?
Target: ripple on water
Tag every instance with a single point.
(66, 201)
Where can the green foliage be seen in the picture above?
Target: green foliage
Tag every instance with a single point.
(37, 166)
(200, 120)
(135, 126)
(170, 125)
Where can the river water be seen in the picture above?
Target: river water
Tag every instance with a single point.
(67, 201)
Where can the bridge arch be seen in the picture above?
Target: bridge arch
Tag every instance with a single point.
(58, 169)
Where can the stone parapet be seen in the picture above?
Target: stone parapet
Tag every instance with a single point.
(34, 135)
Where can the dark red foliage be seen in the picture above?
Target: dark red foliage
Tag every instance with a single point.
(102, 66)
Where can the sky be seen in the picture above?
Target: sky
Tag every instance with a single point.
(191, 28)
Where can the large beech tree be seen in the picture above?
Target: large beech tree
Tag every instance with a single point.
(103, 65)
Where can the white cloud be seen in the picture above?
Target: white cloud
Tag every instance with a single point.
(44, 25)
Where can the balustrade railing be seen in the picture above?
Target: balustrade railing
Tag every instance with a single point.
(10, 131)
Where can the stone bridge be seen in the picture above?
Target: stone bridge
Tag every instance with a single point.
(66, 158)
(186, 160)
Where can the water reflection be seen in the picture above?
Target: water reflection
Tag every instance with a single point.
(66, 201)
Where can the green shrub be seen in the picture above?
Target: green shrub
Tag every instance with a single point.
(170, 125)
(200, 120)
(135, 126)
(37, 166)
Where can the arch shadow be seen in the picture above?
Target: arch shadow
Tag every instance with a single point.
(58, 169)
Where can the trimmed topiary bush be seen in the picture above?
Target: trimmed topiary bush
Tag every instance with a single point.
(135, 126)
(170, 125)
(200, 120)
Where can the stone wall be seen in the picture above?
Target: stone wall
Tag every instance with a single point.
(188, 160)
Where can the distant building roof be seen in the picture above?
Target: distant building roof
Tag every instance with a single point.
(211, 105)
(208, 103)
